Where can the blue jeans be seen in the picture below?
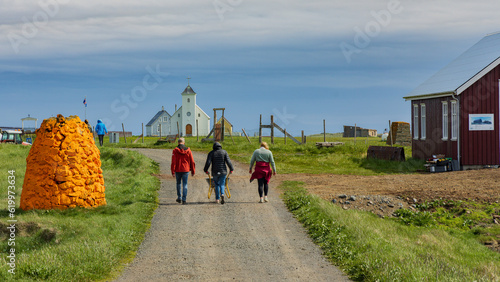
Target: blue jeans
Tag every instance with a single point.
(220, 185)
(182, 176)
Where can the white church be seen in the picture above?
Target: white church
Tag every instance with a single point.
(188, 120)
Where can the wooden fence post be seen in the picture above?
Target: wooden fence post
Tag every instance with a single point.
(355, 131)
(272, 129)
(142, 132)
(246, 136)
(285, 135)
(260, 129)
(222, 129)
(124, 136)
(390, 133)
(324, 131)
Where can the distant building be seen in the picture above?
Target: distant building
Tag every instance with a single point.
(159, 124)
(228, 127)
(183, 121)
(351, 131)
(456, 111)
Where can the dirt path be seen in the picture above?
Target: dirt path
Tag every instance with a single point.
(242, 240)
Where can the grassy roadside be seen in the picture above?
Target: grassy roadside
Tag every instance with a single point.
(372, 249)
(80, 244)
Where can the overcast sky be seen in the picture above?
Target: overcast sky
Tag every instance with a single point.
(303, 61)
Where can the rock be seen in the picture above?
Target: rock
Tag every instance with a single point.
(370, 203)
(347, 202)
(352, 198)
(334, 201)
(415, 200)
(344, 207)
(342, 196)
(390, 205)
(63, 167)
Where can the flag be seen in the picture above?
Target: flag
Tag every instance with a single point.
(85, 102)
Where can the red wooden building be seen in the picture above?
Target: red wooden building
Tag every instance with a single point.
(456, 111)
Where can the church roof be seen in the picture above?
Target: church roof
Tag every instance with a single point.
(464, 70)
(188, 90)
(156, 117)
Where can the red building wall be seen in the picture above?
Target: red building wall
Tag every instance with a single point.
(433, 143)
(480, 147)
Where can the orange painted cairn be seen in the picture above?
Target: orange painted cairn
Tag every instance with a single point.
(63, 167)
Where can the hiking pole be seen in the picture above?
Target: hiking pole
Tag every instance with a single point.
(209, 186)
(227, 187)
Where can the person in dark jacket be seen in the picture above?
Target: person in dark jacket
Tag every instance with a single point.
(182, 164)
(100, 129)
(218, 158)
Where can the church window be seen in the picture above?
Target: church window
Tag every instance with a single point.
(178, 115)
(165, 118)
(189, 100)
(199, 115)
(188, 114)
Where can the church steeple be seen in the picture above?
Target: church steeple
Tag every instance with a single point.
(189, 112)
(188, 90)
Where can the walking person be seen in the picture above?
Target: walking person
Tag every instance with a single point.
(88, 125)
(262, 157)
(218, 158)
(182, 164)
(100, 129)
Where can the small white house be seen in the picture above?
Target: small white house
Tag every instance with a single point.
(160, 124)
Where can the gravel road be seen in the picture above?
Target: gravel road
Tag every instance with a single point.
(242, 240)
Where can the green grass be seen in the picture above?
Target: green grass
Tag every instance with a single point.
(80, 244)
(459, 215)
(369, 248)
(349, 158)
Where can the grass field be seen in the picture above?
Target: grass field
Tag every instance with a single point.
(349, 158)
(372, 249)
(79, 244)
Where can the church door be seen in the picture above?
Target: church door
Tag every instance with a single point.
(189, 130)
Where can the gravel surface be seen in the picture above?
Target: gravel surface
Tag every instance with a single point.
(242, 240)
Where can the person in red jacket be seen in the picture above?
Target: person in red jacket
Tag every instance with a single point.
(182, 164)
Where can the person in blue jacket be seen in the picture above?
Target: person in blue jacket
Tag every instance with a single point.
(100, 129)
